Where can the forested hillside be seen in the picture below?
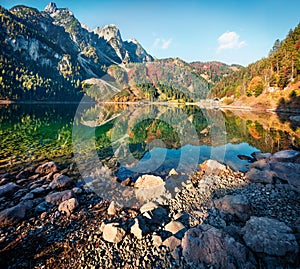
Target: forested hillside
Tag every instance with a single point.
(279, 71)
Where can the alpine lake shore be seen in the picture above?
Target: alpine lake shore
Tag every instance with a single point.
(214, 217)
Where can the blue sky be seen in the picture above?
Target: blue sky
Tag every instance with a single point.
(228, 31)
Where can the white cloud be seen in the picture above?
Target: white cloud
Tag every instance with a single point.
(230, 40)
(161, 43)
(166, 43)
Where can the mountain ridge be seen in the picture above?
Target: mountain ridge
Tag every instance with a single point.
(45, 52)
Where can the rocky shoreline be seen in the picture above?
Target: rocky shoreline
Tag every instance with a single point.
(215, 218)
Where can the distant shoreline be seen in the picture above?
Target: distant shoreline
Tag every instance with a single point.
(201, 105)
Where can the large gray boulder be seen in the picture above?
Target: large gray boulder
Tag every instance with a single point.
(258, 176)
(269, 236)
(207, 245)
(289, 172)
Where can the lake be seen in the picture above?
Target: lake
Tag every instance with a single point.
(130, 140)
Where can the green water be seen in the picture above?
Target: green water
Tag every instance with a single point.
(137, 136)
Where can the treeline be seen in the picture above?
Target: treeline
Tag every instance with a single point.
(17, 82)
(278, 71)
(163, 92)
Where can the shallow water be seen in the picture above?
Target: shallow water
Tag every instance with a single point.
(137, 139)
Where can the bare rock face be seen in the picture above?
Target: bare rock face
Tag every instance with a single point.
(208, 245)
(113, 233)
(237, 205)
(269, 236)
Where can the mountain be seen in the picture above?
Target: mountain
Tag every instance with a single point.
(46, 54)
(170, 79)
(271, 81)
(214, 71)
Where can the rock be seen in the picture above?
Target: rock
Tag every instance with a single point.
(68, 206)
(22, 175)
(289, 172)
(269, 236)
(295, 118)
(28, 196)
(286, 156)
(258, 176)
(112, 209)
(8, 189)
(148, 207)
(113, 233)
(4, 181)
(213, 167)
(237, 205)
(149, 187)
(175, 182)
(173, 172)
(77, 190)
(41, 207)
(261, 164)
(46, 168)
(38, 191)
(15, 214)
(61, 181)
(136, 230)
(261, 156)
(157, 241)
(209, 245)
(171, 242)
(57, 197)
(159, 216)
(174, 227)
(245, 158)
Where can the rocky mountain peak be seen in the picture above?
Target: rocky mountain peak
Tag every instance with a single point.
(108, 32)
(50, 8)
